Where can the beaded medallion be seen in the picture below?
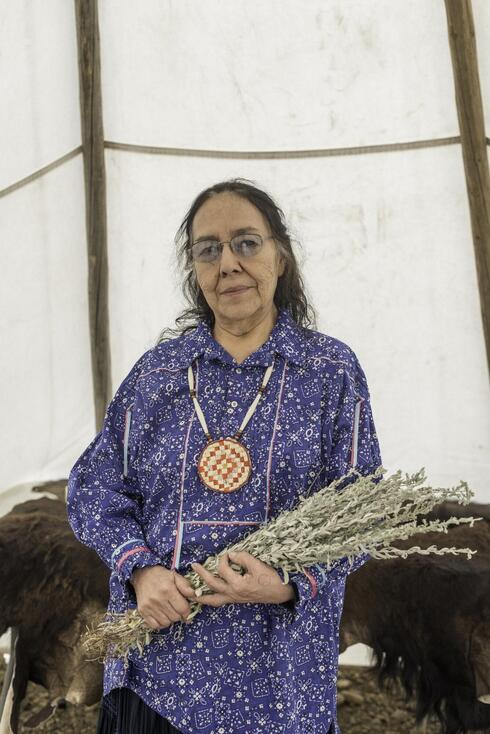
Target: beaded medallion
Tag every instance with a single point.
(224, 465)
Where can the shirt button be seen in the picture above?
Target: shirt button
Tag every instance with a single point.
(234, 403)
(238, 369)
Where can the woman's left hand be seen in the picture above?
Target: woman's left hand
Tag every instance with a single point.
(261, 582)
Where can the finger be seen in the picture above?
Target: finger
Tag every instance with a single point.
(243, 558)
(161, 610)
(178, 598)
(184, 586)
(153, 624)
(160, 613)
(214, 600)
(225, 571)
(178, 609)
(214, 583)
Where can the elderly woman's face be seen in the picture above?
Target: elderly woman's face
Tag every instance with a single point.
(218, 218)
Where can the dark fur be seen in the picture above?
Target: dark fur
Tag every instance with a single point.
(49, 582)
(432, 612)
(427, 619)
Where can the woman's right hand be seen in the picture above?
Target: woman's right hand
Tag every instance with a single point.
(162, 596)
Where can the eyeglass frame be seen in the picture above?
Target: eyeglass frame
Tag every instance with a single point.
(225, 242)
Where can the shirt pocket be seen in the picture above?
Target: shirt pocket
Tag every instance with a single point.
(298, 463)
(161, 416)
(298, 451)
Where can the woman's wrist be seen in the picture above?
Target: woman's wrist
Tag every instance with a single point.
(291, 592)
(292, 589)
(294, 596)
(139, 571)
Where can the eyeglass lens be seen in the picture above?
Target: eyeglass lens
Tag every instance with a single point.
(243, 245)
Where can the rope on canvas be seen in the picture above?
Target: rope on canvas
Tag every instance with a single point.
(257, 154)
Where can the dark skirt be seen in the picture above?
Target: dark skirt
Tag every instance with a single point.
(123, 712)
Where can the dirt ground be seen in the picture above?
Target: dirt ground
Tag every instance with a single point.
(362, 708)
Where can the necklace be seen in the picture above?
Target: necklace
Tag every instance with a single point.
(224, 464)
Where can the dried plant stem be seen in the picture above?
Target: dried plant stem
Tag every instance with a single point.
(335, 522)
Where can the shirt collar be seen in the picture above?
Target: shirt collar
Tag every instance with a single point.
(287, 338)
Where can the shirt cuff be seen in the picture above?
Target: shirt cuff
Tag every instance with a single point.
(285, 610)
(342, 567)
(134, 554)
(310, 582)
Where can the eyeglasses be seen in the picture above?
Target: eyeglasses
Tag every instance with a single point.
(243, 245)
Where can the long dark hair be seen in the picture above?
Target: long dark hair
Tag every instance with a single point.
(290, 290)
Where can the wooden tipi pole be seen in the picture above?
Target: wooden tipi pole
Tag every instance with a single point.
(95, 200)
(472, 128)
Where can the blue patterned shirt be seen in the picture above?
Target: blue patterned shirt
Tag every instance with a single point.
(135, 496)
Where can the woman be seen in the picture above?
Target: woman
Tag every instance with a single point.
(211, 434)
